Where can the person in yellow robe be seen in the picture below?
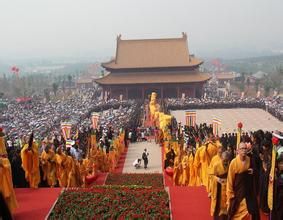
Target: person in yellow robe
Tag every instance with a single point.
(194, 179)
(240, 190)
(197, 164)
(112, 159)
(185, 169)
(215, 159)
(6, 183)
(219, 172)
(85, 169)
(72, 167)
(202, 163)
(177, 175)
(48, 163)
(61, 163)
(30, 162)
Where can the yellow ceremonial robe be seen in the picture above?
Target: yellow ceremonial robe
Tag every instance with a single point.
(30, 164)
(185, 171)
(49, 167)
(62, 172)
(214, 160)
(93, 142)
(6, 183)
(218, 170)
(197, 165)
(194, 178)
(237, 166)
(205, 161)
(177, 175)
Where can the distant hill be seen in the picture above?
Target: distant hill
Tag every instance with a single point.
(267, 64)
(4, 68)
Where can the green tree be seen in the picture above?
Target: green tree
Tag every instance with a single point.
(55, 87)
(46, 94)
(242, 78)
(63, 86)
(241, 87)
(267, 86)
(69, 80)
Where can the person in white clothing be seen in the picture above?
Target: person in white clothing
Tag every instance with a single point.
(137, 163)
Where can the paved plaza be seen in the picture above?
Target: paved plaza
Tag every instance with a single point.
(252, 119)
(135, 151)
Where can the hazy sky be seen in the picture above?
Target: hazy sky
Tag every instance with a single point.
(50, 28)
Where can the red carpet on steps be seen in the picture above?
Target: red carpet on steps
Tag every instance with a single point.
(189, 203)
(35, 203)
(100, 179)
(121, 162)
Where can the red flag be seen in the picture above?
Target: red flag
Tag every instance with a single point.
(15, 70)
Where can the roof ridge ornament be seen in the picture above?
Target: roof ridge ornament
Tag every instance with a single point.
(184, 35)
(117, 47)
(119, 37)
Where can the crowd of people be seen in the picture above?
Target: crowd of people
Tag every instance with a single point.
(44, 119)
(50, 165)
(236, 172)
(34, 153)
(273, 105)
(32, 158)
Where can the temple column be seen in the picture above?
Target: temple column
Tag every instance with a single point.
(161, 89)
(194, 91)
(178, 91)
(142, 92)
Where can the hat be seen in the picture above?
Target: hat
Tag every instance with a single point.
(275, 140)
(278, 134)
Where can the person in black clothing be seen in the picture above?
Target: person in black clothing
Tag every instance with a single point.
(5, 213)
(97, 134)
(126, 137)
(18, 174)
(107, 145)
(170, 157)
(145, 158)
(277, 211)
(56, 143)
(110, 133)
(265, 156)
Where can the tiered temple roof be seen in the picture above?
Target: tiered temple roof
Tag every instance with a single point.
(153, 78)
(152, 53)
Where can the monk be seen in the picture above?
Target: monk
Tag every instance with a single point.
(72, 166)
(194, 179)
(61, 163)
(202, 162)
(241, 196)
(170, 157)
(30, 162)
(185, 169)
(197, 165)
(177, 176)
(48, 162)
(277, 208)
(6, 183)
(84, 166)
(219, 172)
(214, 160)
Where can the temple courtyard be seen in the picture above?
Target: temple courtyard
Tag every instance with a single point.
(252, 119)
